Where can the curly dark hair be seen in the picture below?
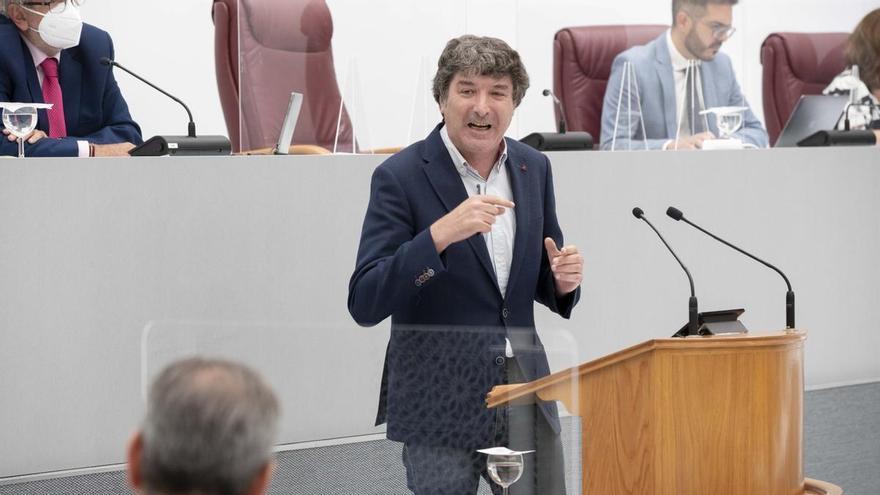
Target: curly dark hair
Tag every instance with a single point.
(479, 55)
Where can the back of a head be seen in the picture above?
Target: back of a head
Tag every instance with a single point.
(696, 6)
(209, 429)
(863, 49)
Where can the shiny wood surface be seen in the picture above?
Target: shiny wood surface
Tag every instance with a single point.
(816, 487)
(295, 149)
(706, 415)
(314, 149)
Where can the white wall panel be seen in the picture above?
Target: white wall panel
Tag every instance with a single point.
(251, 257)
(171, 43)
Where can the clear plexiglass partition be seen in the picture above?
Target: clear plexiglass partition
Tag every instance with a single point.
(328, 385)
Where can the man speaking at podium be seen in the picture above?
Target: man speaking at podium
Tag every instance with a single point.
(48, 55)
(459, 239)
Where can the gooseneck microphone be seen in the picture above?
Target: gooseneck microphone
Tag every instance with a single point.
(563, 123)
(561, 140)
(175, 145)
(676, 214)
(192, 124)
(693, 313)
(853, 100)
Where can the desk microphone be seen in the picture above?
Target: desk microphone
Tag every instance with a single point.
(853, 100)
(176, 145)
(192, 125)
(693, 314)
(676, 214)
(563, 123)
(562, 140)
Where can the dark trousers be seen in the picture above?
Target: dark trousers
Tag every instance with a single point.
(436, 470)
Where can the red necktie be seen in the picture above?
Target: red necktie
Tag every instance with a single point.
(52, 94)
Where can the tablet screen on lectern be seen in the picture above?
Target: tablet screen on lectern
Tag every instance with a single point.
(812, 113)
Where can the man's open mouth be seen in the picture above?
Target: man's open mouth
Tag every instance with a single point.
(482, 127)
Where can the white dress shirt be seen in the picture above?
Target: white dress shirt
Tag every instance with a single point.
(680, 65)
(499, 240)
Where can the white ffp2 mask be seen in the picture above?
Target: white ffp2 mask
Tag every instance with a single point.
(61, 27)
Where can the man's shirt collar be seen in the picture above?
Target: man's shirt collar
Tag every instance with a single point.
(461, 165)
(38, 55)
(679, 61)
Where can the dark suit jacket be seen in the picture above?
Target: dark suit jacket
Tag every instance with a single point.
(93, 106)
(448, 317)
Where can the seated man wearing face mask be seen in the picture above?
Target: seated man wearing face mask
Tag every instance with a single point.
(48, 55)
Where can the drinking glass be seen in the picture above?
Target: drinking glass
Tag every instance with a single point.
(505, 470)
(729, 123)
(20, 121)
(728, 119)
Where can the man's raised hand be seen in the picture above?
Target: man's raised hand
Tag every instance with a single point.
(567, 266)
(474, 215)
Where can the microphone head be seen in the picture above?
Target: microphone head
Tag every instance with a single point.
(546, 92)
(674, 213)
(637, 212)
(105, 61)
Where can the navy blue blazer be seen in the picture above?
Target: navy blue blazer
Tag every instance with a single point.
(94, 109)
(448, 316)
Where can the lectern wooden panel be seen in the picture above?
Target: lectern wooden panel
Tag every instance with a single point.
(706, 415)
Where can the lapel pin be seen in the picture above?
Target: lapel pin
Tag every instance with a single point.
(523, 168)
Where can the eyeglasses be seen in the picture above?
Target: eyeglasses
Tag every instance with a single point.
(722, 32)
(52, 3)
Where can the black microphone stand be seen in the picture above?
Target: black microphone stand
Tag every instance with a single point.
(693, 327)
(176, 145)
(676, 214)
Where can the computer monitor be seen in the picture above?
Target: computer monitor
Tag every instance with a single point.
(812, 113)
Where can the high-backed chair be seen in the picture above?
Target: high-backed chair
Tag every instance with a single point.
(264, 50)
(797, 64)
(582, 58)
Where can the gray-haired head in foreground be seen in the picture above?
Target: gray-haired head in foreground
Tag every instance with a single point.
(209, 429)
(480, 56)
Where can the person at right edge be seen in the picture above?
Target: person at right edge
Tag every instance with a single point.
(699, 28)
(862, 51)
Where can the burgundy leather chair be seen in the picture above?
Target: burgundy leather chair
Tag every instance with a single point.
(797, 64)
(264, 50)
(582, 58)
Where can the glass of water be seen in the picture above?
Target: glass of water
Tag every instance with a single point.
(505, 470)
(728, 119)
(20, 121)
(729, 123)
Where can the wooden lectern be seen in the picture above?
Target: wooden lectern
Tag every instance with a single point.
(688, 416)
